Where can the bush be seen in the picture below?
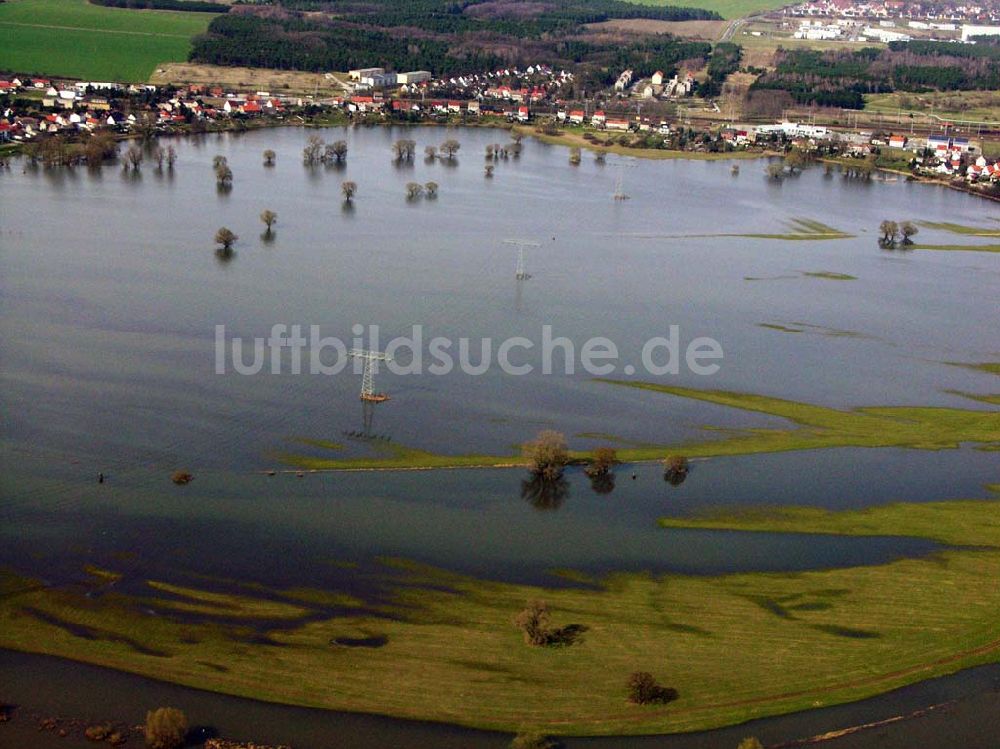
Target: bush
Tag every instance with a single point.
(166, 728)
(643, 689)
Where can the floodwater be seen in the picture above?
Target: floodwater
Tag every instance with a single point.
(110, 294)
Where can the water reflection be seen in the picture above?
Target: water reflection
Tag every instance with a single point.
(544, 493)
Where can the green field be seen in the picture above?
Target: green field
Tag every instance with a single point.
(736, 647)
(75, 39)
(725, 8)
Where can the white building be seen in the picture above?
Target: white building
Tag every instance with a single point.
(969, 31)
(357, 75)
(414, 76)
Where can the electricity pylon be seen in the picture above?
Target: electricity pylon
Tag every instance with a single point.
(368, 376)
(520, 273)
(620, 193)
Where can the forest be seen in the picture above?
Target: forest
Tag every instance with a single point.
(840, 79)
(192, 6)
(279, 38)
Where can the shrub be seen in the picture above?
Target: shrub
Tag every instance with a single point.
(643, 689)
(166, 728)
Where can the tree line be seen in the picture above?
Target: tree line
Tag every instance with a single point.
(194, 6)
(841, 78)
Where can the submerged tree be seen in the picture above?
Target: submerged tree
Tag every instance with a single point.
(312, 154)
(909, 230)
(348, 189)
(601, 156)
(431, 188)
(226, 238)
(224, 176)
(430, 153)
(676, 469)
(489, 170)
(158, 156)
(268, 217)
(574, 155)
(133, 158)
(450, 147)
(414, 190)
(269, 157)
(547, 455)
(776, 171)
(403, 149)
(339, 150)
(171, 156)
(219, 161)
(890, 233)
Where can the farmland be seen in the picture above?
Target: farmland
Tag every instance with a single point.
(75, 39)
(728, 9)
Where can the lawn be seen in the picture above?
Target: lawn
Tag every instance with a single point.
(736, 646)
(725, 8)
(75, 39)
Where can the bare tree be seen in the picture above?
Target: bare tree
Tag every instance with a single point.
(403, 149)
(133, 158)
(171, 156)
(226, 238)
(340, 150)
(890, 233)
(313, 152)
(158, 156)
(547, 454)
(450, 147)
(348, 188)
(268, 217)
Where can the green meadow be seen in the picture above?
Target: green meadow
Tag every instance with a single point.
(735, 646)
(75, 39)
(728, 9)
(811, 427)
